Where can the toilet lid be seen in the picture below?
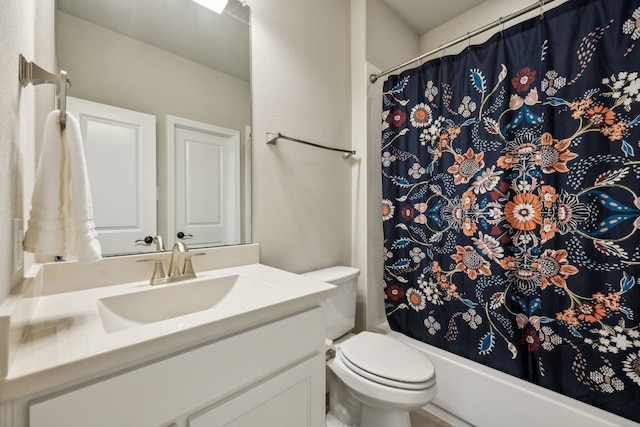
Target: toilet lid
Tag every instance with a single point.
(387, 361)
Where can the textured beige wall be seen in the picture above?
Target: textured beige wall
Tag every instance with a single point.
(389, 40)
(27, 28)
(485, 13)
(301, 88)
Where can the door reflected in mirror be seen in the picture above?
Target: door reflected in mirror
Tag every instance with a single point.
(170, 59)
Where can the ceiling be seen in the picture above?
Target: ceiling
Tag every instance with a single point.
(425, 15)
(179, 26)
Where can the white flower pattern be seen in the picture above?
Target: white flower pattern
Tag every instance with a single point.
(472, 318)
(606, 380)
(431, 91)
(432, 325)
(467, 107)
(632, 26)
(552, 82)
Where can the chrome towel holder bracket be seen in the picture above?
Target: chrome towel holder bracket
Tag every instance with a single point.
(30, 72)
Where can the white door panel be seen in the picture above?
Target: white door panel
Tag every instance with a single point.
(206, 194)
(120, 148)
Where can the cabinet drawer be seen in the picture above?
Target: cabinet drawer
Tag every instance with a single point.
(159, 392)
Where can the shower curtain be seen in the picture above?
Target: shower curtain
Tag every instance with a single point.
(511, 202)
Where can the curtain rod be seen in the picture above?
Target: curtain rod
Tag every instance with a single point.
(502, 20)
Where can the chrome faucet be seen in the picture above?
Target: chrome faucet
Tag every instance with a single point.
(159, 243)
(175, 274)
(174, 266)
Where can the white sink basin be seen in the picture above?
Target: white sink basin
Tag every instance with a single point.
(162, 302)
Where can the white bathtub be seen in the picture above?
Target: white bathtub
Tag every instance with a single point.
(484, 397)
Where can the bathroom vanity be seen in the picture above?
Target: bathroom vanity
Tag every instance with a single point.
(110, 356)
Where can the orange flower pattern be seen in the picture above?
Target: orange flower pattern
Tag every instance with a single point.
(524, 212)
(554, 268)
(466, 166)
(512, 228)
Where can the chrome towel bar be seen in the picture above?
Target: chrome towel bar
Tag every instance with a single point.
(272, 137)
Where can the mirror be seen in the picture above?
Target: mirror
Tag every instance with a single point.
(184, 65)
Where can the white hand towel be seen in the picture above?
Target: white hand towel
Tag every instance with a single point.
(61, 218)
(81, 238)
(45, 232)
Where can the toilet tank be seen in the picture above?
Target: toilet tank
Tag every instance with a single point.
(338, 311)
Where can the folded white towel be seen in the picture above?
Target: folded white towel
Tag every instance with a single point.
(45, 233)
(61, 217)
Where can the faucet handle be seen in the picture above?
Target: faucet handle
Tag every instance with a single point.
(158, 270)
(188, 266)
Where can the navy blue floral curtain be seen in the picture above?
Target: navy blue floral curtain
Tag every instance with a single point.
(511, 202)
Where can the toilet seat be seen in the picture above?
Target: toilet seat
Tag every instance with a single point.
(386, 361)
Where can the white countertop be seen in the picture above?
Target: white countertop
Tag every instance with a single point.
(67, 343)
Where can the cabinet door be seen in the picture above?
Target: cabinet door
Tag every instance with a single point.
(168, 390)
(120, 148)
(294, 398)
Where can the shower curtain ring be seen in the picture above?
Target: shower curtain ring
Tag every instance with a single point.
(501, 23)
(468, 40)
(541, 10)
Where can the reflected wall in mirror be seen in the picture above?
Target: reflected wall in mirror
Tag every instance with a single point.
(180, 63)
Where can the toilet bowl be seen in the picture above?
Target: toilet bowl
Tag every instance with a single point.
(388, 377)
(377, 380)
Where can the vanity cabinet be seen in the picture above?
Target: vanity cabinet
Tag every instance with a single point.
(269, 375)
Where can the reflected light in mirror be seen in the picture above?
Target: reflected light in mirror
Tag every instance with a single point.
(216, 5)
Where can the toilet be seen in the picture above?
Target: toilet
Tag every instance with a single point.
(373, 380)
